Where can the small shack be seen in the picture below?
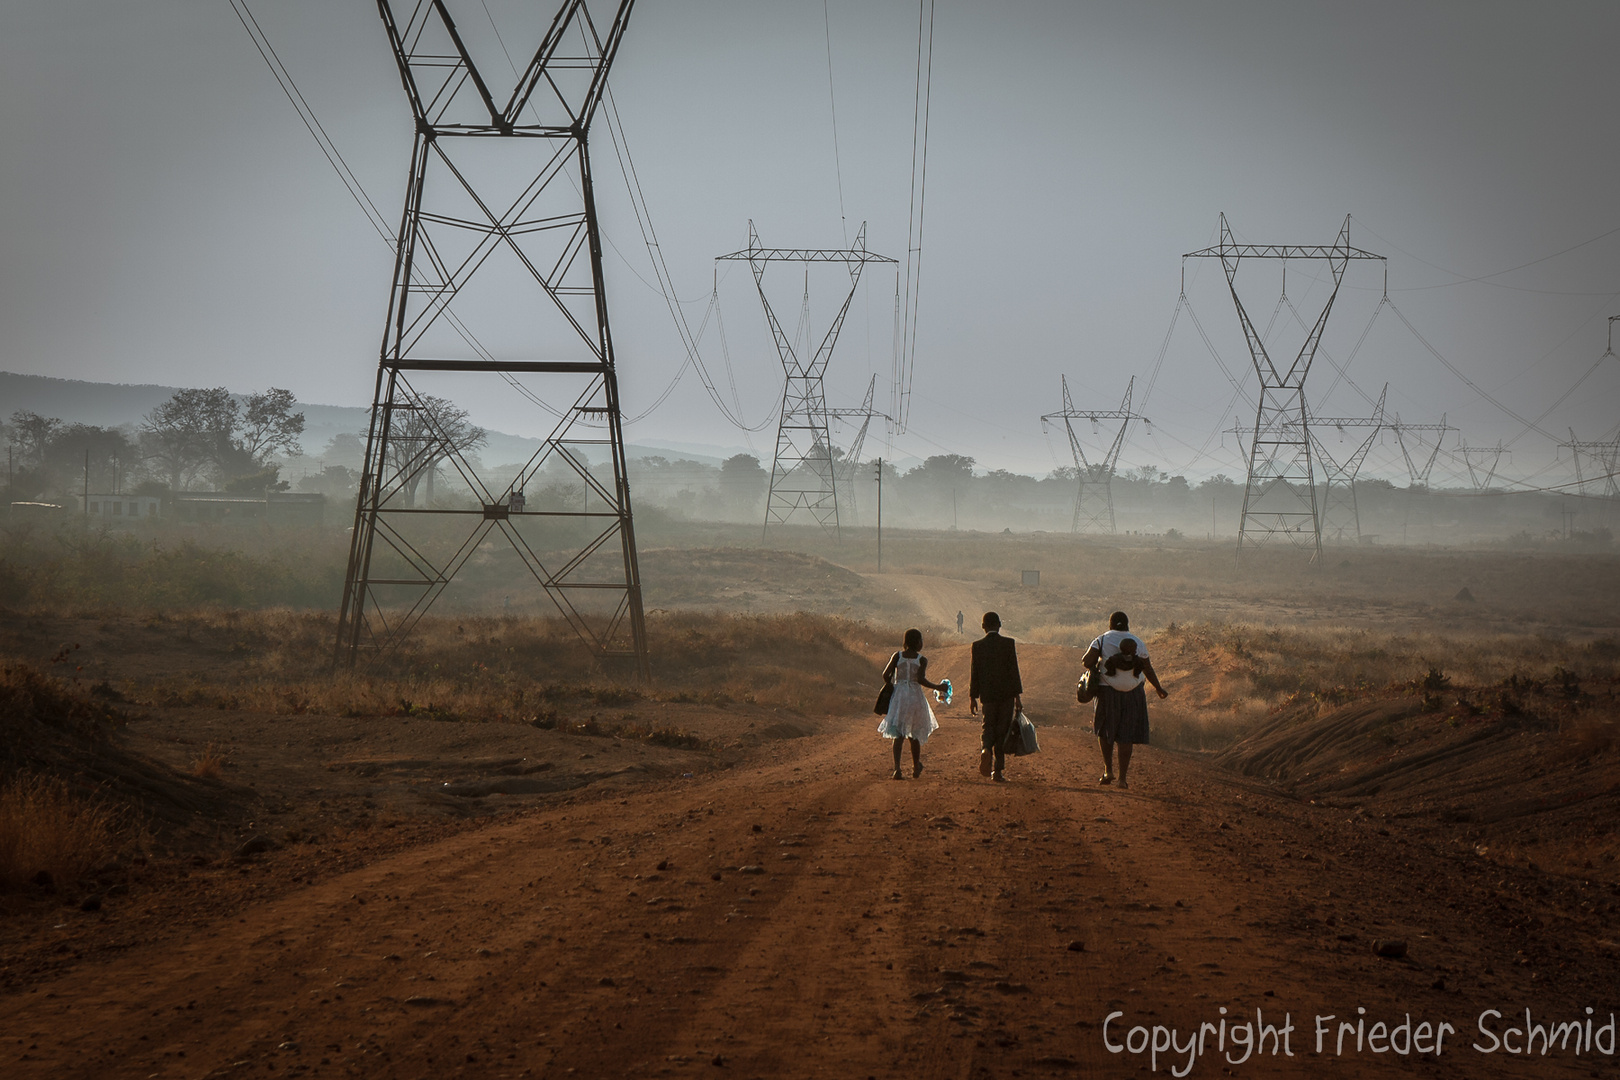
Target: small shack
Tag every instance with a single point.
(274, 507)
(120, 509)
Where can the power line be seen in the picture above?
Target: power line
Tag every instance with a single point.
(920, 108)
(1484, 279)
(832, 100)
(351, 182)
(329, 150)
(1470, 383)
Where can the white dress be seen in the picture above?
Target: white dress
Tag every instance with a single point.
(909, 716)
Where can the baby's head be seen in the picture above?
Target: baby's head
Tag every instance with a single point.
(913, 640)
(1127, 647)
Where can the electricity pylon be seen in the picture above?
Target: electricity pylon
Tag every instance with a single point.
(498, 242)
(1339, 510)
(803, 475)
(1604, 455)
(1279, 496)
(1481, 476)
(845, 466)
(1094, 501)
(1419, 473)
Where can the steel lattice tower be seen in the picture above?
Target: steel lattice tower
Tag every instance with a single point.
(803, 473)
(1279, 497)
(1605, 455)
(1419, 474)
(847, 465)
(498, 274)
(1094, 501)
(1340, 514)
(1492, 453)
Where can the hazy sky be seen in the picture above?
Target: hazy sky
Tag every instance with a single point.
(166, 218)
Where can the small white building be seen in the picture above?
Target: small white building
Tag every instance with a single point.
(113, 509)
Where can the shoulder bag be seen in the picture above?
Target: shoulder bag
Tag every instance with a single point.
(884, 695)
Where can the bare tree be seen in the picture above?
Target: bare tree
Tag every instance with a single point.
(420, 439)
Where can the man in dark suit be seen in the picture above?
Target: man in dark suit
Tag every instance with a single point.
(994, 679)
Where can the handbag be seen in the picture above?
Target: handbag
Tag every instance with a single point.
(1021, 740)
(882, 706)
(1085, 690)
(884, 695)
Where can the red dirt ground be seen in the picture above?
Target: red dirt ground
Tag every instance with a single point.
(800, 914)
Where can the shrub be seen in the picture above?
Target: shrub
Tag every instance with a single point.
(209, 763)
(46, 826)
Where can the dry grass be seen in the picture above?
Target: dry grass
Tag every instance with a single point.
(209, 764)
(48, 827)
(1590, 734)
(514, 670)
(1227, 677)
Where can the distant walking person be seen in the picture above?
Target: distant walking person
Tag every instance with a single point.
(958, 622)
(909, 718)
(995, 680)
(1119, 665)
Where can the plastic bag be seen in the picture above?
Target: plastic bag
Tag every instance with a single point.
(1021, 740)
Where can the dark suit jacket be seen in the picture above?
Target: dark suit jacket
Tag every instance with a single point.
(995, 670)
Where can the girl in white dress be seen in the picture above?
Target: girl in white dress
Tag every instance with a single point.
(909, 718)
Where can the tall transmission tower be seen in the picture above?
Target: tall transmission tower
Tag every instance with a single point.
(1418, 468)
(498, 242)
(847, 465)
(1481, 475)
(1604, 455)
(1340, 514)
(1279, 496)
(803, 474)
(1094, 500)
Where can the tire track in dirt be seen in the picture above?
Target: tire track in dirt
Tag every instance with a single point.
(915, 929)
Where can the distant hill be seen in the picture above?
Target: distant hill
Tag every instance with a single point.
(118, 404)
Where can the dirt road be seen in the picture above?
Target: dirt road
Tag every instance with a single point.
(807, 916)
(940, 598)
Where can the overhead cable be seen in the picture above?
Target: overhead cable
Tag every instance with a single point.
(1485, 279)
(1470, 383)
(906, 361)
(832, 101)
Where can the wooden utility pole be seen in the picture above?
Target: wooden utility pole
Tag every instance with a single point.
(880, 513)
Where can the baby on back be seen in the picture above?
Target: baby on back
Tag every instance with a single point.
(1124, 660)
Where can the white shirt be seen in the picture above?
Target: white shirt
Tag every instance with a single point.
(1108, 645)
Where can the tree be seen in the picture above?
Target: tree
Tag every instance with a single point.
(198, 430)
(944, 469)
(269, 426)
(108, 452)
(31, 433)
(743, 483)
(189, 432)
(420, 438)
(345, 448)
(337, 482)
